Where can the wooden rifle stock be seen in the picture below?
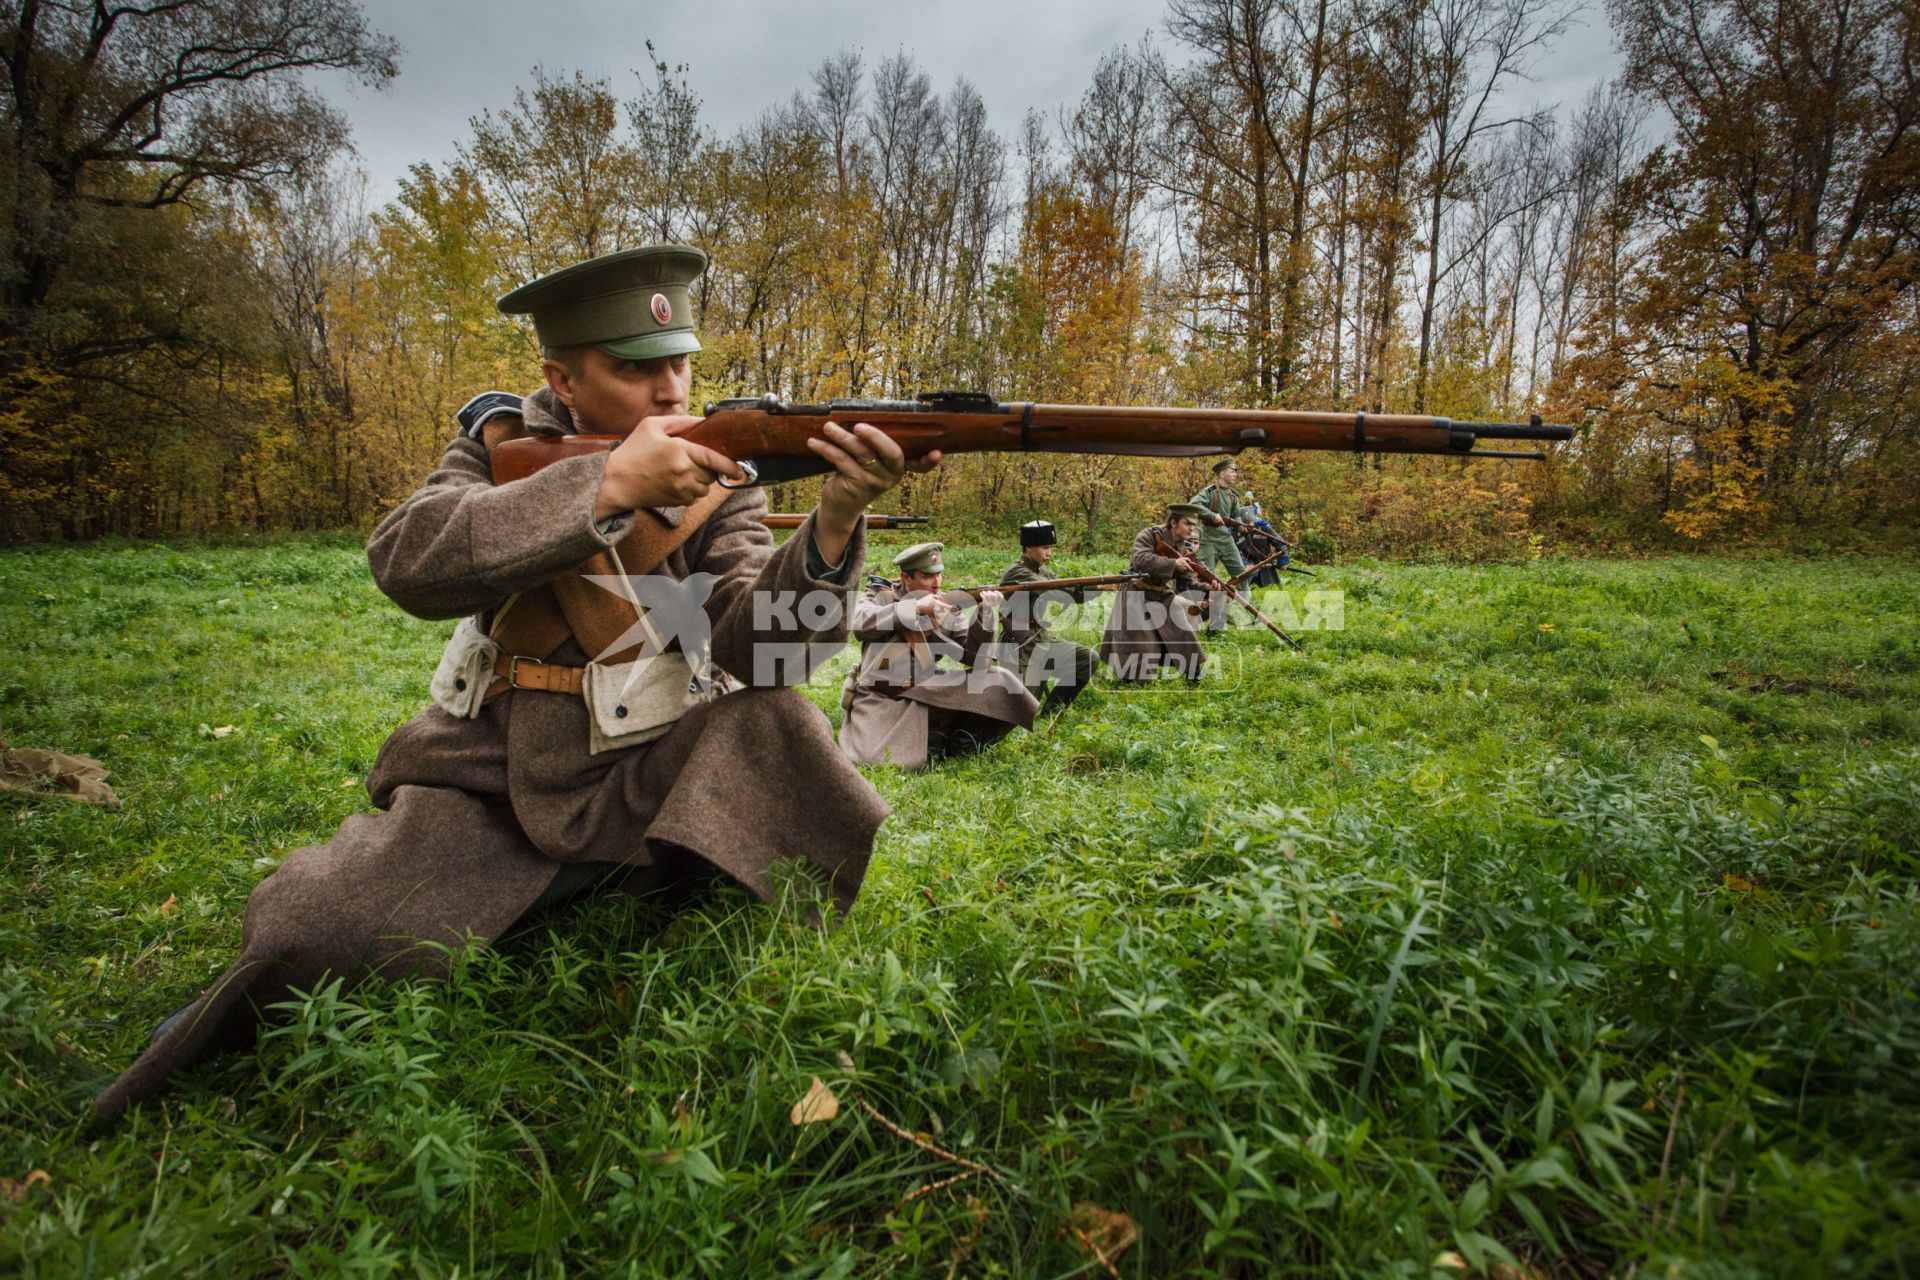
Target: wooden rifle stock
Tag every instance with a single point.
(769, 438)
(1280, 545)
(1212, 580)
(1252, 569)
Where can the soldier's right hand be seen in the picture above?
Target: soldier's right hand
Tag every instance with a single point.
(651, 468)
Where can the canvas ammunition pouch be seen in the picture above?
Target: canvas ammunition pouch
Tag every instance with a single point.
(460, 682)
(629, 703)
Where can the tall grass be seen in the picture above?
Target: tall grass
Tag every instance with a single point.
(1557, 918)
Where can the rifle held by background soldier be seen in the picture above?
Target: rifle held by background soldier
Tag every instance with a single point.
(1212, 581)
(875, 520)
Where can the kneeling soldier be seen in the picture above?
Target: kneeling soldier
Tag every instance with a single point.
(902, 709)
(560, 755)
(1152, 626)
(1043, 657)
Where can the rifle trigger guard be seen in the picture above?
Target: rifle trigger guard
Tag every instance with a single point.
(753, 477)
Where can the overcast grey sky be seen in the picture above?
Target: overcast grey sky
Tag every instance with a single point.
(459, 57)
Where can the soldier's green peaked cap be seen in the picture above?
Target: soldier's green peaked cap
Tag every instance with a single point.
(1222, 465)
(632, 304)
(1177, 509)
(921, 557)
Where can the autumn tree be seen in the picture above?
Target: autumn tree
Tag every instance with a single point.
(1786, 222)
(561, 176)
(134, 109)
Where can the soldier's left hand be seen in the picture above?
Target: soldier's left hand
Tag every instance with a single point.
(990, 602)
(866, 464)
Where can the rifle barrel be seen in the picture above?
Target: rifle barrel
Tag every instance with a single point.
(875, 520)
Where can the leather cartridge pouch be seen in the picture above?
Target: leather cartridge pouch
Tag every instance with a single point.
(466, 668)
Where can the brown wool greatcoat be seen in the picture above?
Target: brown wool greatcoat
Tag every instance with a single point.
(478, 816)
(904, 708)
(1150, 628)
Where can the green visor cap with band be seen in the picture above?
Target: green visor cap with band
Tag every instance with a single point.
(921, 557)
(1178, 509)
(633, 305)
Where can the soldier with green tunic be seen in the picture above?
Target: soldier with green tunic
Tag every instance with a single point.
(1218, 503)
(1043, 658)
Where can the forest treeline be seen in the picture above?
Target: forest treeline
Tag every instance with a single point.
(1708, 266)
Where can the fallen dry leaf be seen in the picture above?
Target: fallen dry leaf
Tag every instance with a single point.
(1106, 1234)
(222, 730)
(1450, 1261)
(18, 1190)
(818, 1106)
(170, 907)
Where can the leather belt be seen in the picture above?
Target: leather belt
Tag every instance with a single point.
(514, 672)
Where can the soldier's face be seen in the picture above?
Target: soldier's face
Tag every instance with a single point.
(1230, 475)
(915, 582)
(1181, 527)
(609, 395)
(1040, 555)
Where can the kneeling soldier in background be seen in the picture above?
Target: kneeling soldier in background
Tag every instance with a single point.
(560, 755)
(901, 708)
(1152, 626)
(1043, 657)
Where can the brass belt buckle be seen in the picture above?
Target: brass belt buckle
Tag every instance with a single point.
(513, 671)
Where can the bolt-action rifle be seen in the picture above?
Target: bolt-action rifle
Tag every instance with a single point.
(875, 520)
(1257, 566)
(769, 439)
(1105, 582)
(1211, 580)
(1281, 549)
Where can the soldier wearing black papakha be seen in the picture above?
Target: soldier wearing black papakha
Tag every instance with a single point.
(1042, 656)
(572, 744)
(903, 709)
(1152, 628)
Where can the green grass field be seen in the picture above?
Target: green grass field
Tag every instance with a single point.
(1549, 920)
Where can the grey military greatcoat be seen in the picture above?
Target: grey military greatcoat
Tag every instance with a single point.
(477, 817)
(1151, 628)
(904, 708)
